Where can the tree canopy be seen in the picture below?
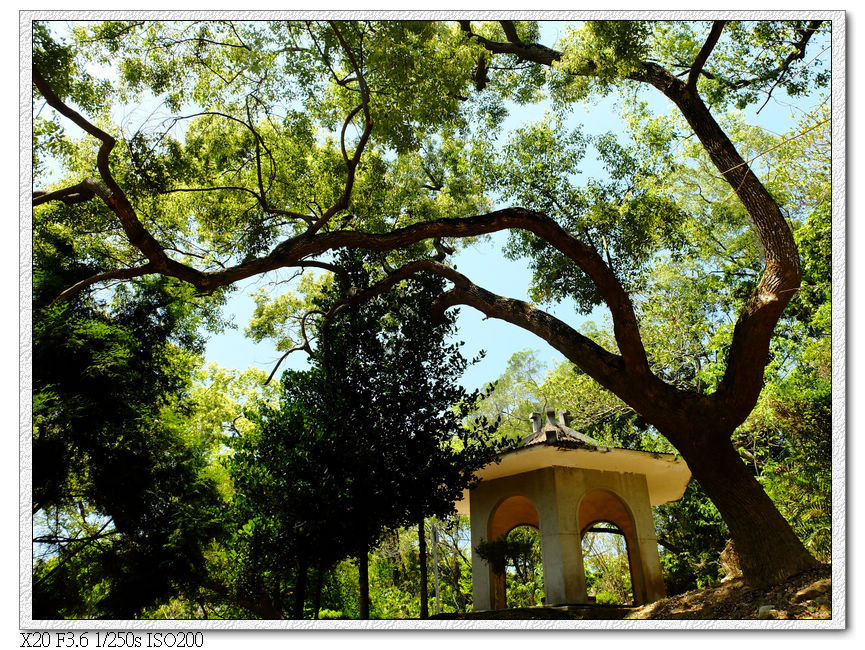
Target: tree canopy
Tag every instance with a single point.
(272, 145)
(123, 507)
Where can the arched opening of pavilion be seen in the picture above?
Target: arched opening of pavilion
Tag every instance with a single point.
(602, 514)
(609, 579)
(525, 569)
(511, 514)
(564, 483)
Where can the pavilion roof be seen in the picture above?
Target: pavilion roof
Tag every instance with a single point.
(556, 444)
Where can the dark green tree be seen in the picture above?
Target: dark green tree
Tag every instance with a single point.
(287, 509)
(373, 437)
(122, 511)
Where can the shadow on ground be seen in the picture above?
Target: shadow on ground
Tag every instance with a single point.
(805, 596)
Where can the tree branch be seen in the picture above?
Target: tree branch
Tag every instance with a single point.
(510, 31)
(351, 164)
(114, 197)
(703, 56)
(116, 274)
(87, 542)
(608, 369)
(533, 52)
(69, 195)
(743, 379)
(779, 71)
(297, 348)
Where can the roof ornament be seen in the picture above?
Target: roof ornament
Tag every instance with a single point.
(554, 428)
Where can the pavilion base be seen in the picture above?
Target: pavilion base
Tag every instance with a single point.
(546, 612)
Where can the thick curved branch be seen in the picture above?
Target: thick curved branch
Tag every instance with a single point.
(604, 367)
(743, 380)
(534, 52)
(114, 197)
(642, 392)
(624, 321)
(78, 193)
(703, 55)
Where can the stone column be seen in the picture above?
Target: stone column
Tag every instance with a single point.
(646, 545)
(483, 580)
(564, 575)
(647, 579)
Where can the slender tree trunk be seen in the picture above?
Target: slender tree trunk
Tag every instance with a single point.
(363, 583)
(424, 588)
(300, 589)
(769, 550)
(316, 604)
(458, 592)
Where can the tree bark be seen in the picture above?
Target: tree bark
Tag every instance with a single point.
(424, 579)
(300, 590)
(769, 550)
(316, 604)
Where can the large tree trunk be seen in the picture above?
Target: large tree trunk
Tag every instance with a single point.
(769, 551)
(768, 547)
(424, 579)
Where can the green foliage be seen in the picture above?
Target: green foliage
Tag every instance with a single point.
(788, 442)
(515, 395)
(692, 535)
(598, 54)
(528, 386)
(628, 215)
(605, 561)
(315, 484)
(767, 46)
(59, 63)
(123, 508)
(284, 498)
(281, 319)
(395, 576)
(250, 139)
(517, 556)
(513, 80)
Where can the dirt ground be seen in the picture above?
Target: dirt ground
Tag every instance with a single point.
(806, 596)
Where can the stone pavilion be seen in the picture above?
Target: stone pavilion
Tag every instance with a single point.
(563, 483)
